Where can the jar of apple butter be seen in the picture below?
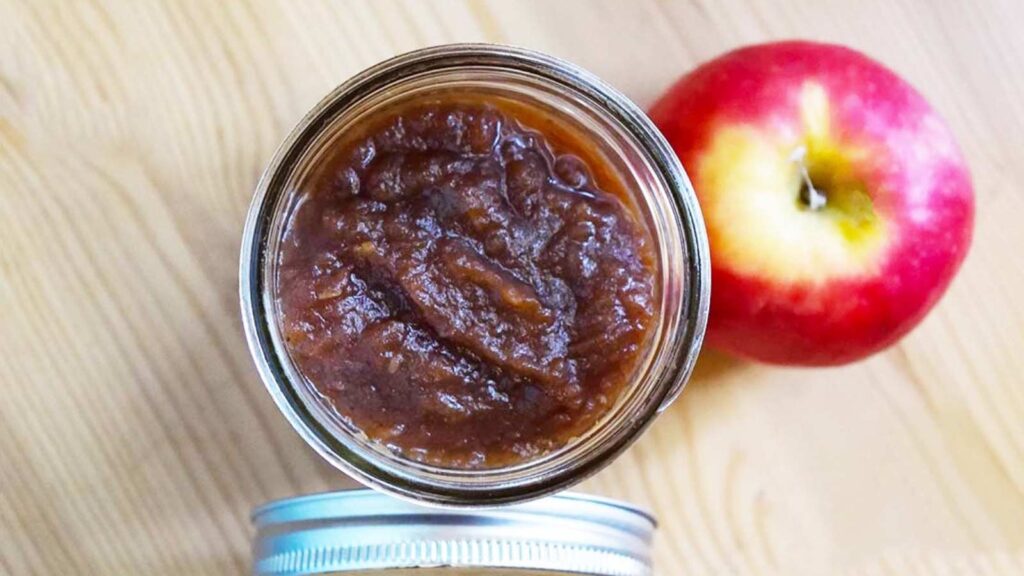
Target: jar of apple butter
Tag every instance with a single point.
(473, 274)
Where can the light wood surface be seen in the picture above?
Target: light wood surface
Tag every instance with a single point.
(135, 435)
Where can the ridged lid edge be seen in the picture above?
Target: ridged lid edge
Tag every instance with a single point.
(518, 555)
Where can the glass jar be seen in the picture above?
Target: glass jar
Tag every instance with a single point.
(633, 146)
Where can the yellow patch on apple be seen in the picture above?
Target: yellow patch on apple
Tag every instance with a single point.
(754, 197)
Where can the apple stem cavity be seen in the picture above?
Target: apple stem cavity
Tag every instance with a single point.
(809, 195)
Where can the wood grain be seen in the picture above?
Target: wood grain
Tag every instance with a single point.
(135, 435)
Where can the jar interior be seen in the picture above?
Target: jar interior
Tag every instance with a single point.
(652, 202)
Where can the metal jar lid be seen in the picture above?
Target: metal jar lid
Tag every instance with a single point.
(362, 530)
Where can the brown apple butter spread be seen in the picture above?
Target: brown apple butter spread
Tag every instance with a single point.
(466, 280)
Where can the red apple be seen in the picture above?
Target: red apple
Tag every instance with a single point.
(837, 202)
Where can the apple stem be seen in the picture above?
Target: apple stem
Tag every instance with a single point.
(810, 195)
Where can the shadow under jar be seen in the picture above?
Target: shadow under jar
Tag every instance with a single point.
(473, 274)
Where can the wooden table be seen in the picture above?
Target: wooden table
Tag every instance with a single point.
(135, 435)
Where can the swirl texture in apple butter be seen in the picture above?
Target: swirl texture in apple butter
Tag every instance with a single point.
(466, 281)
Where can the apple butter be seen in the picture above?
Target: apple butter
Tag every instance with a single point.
(465, 280)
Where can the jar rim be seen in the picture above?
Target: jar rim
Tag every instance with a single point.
(272, 186)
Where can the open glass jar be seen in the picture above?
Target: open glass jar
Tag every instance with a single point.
(637, 152)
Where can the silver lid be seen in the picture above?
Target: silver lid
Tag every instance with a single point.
(342, 532)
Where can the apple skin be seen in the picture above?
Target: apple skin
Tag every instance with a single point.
(796, 286)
